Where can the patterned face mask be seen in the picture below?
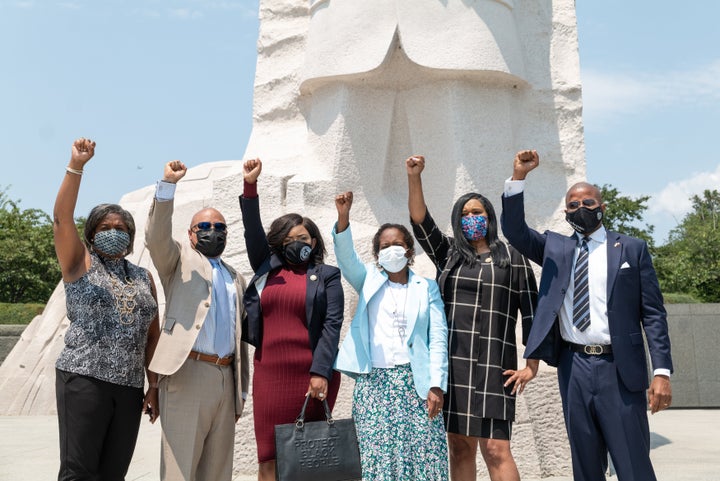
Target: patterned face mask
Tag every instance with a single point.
(111, 242)
(474, 227)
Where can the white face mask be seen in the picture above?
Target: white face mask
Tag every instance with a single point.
(392, 258)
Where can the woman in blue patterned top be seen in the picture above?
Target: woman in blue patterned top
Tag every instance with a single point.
(484, 284)
(112, 309)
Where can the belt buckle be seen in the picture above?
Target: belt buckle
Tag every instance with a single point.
(593, 350)
(217, 361)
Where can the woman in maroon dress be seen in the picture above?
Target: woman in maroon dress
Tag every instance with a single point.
(294, 307)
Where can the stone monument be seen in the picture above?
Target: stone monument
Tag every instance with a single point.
(344, 92)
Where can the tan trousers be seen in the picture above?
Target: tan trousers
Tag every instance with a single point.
(197, 413)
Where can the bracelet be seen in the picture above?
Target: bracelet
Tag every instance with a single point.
(73, 171)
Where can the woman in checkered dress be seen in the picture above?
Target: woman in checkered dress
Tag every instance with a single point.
(484, 283)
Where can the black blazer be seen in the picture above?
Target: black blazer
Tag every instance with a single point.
(324, 300)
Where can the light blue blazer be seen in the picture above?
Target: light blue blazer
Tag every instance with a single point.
(427, 342)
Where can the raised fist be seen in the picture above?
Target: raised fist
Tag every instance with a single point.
(82, 151)
(174, 171)
(251, 170)
(343, 203)
(415, 164)
(525, 161)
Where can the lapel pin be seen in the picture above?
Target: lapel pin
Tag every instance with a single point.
(617, 244)
(313, 277)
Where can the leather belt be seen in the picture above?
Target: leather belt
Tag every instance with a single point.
(211, 358)
(591, 349)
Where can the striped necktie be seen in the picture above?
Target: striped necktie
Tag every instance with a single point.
(581, 296)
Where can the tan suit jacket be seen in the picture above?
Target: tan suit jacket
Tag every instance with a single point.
(186, 278)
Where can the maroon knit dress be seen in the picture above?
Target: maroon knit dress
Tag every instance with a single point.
(282, 365)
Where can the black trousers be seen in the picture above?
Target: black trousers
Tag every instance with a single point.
(99, 423)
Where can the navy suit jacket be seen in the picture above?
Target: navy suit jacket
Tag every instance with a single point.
(324, 298)
(634, 301)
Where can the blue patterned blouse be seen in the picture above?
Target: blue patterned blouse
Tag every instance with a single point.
(110, 309)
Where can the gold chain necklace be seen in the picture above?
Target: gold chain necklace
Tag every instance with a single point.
(124, 294)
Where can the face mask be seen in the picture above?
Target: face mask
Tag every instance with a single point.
(297, 252)
(210, 243)
(474, 227)
(392, 258)
(584, 220)
(111, 242)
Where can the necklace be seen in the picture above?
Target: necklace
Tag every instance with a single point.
(124, 294)
(399, 320)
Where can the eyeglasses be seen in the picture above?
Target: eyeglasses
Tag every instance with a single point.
(585, 203)
(218, 226)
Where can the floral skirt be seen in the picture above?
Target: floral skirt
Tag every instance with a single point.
(398, 442)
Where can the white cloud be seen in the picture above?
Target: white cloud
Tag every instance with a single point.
(667, 208)
(69, 5)
(185, 13)
(246, 9)
(674, 199)
(608, 94)
(145, 12)
(194, 9)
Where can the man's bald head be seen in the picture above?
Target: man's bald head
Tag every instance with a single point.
(207, 215)
(583, 190)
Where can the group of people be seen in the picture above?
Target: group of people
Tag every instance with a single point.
(434, 360)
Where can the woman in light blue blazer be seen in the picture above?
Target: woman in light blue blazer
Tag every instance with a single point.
(396, 351)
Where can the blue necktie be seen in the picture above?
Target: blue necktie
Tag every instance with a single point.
(581, 296)
(222, 304)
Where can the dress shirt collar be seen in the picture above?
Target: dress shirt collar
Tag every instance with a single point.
(599, 236)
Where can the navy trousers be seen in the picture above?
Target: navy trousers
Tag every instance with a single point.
(602, 416)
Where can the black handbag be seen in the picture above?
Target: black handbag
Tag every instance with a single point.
(317, 451)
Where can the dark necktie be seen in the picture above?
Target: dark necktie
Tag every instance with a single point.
(581, 297)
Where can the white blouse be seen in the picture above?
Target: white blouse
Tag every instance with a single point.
(388, 326)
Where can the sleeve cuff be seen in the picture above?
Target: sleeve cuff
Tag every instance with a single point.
(244, 396)
(164, 191)
(249, 190)
(513, 187)
(661, 372)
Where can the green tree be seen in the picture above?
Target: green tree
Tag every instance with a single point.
(690, 260)
(624, 213)
(29, 270)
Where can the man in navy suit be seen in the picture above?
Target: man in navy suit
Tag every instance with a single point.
(596, 339)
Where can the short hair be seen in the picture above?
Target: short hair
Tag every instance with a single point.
(98, 214)
(407, 237)
(281, 227)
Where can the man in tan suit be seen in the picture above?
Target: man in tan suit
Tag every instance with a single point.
(202, 362)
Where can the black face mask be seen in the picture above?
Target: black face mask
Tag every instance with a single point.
(585, 220)
(297, 252)
(210, 243)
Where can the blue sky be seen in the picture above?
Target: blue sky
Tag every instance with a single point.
(154, 80)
